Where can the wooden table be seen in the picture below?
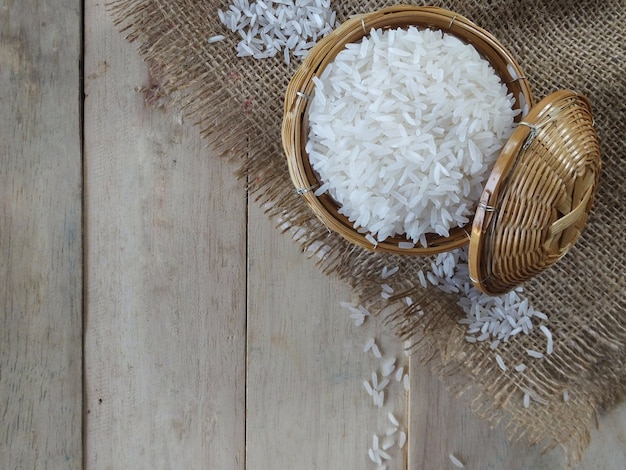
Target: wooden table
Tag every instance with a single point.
(153, 317)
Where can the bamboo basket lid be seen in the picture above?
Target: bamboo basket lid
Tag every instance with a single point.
(538, 196)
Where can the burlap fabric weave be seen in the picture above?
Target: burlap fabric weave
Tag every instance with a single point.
(574, 44)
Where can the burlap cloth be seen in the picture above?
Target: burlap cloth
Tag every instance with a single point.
(575, 44)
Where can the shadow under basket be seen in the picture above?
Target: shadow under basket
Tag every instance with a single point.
(538, 196)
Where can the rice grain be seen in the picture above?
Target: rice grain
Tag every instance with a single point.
(455, 461)
(535, 354)
(548, 334)
(402, 439)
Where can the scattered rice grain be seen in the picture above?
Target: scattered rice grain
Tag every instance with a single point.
(391, 431)
(402, 439)
(533, 353)
(455, 461)
(550, 345)
(500, 362)
(388, 443)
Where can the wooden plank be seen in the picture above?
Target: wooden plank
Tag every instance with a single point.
(40, 235)
(441, 425)
(165, 267)
(307, 406)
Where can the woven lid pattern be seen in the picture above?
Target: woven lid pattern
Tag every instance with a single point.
(538, 197)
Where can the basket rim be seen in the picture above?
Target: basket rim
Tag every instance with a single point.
(301, 87)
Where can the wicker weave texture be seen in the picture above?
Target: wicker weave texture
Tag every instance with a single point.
(538, 197)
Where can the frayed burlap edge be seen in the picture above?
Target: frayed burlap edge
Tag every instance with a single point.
(217, 98)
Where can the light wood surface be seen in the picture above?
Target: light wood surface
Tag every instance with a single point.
(210, 341)
(40, 235)
(165, 279)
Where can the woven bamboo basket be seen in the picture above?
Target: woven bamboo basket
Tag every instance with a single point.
(539, 193)
(295, 128)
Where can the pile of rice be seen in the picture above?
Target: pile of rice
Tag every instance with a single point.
(405, 127)
(271, 27)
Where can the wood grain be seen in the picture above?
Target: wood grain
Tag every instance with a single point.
(40, 235)
(165, 276)
(307, 407)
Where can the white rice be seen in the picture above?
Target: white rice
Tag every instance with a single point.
(358, 318)
(373, 457)
(535, 354)
(382, 384)
(358, 312)
(387, 273)
(422, 279)
(550, 346)
(487, 318)
(371, 239)
(216, 38)
(388, 443)
(286, 28)
(455, 461)
(404, 129)
(530, 394)
(402, 439)
(391, 431)
(380, 399)
(388, 366)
